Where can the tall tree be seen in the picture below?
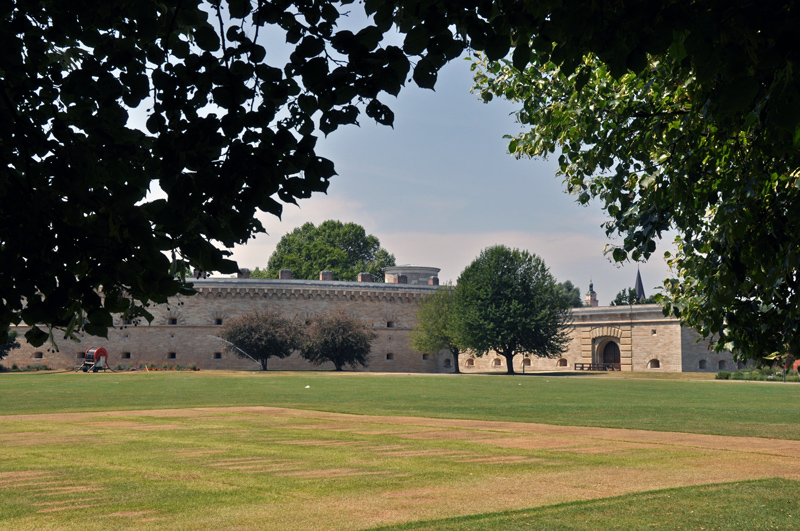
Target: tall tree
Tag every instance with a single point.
(507, 301)
(697, 130)
(628, 297)
(436, 324)
(260, 336)
(339, 339)
(571, 293)
(343, 248)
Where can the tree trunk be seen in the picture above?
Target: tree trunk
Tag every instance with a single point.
(263, 362)
(455, 353)
(509, 363)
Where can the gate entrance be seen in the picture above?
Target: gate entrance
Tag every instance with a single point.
(611, 354)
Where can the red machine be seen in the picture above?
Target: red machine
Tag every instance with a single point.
(95, 359)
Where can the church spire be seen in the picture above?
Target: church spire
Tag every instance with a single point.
(640, 296)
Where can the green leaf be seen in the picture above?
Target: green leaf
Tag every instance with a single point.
(416, 40)
(521, 56)
(206, 38)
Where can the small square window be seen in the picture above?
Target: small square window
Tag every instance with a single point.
(218, 322)
(426, 356)
(38, 355)
(653, 332)
(171, 356)
(81, 355)
(390, 356)
(126, 355)
(173, 320)
(218, 355)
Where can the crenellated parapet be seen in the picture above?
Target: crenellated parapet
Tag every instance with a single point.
(268, 289)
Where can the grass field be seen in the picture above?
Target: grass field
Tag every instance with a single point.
(360, 451)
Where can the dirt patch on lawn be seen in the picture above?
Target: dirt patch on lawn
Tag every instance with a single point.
(127, 513)
(545, 464)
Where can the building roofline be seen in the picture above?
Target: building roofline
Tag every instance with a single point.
(305, 283)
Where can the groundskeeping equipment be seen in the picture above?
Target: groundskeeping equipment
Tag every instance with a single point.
(95, 359)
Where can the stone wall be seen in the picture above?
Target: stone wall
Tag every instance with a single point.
(185, 332)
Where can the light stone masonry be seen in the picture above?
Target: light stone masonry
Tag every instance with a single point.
(184, 331)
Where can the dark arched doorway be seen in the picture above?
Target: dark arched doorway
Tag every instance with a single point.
(611, 354)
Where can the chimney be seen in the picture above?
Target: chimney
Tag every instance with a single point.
(326, 275)
(433, 281)
(402, 279)
(364, 277)
(285, 274)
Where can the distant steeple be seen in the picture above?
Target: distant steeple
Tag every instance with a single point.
(640, 296)
(591, 296)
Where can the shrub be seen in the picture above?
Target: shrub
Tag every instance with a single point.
(261, 336)
(738, 375)
(723, 375)
(339, 339)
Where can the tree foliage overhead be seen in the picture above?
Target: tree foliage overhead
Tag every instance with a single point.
(436, 327)
(261, 336)
(507, 301)
(231, 131)
(343, 248)
(339, 339)
(696, 130)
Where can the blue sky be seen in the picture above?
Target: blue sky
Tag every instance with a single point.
(440, 187)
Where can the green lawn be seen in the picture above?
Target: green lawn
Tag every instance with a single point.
(766, 504)
(713, 407)
(85, 452)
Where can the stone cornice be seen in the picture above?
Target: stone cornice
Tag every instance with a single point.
(271, 289)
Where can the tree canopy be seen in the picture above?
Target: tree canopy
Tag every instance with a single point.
(697, 130)
(260, 336)
(436, 327)
(627, 297)
(231, 129)
(339, 339)
(343, 248)
(571, 293)
(10, 344)
(507, 301)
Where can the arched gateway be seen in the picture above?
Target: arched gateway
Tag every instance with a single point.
(611, 354)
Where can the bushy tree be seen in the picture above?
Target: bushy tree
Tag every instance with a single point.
(436, 324)
(507, 301)
(9, 345)
(627, 297)
(571, 293)
(343, 248)
(261, 335)
(695, 130)
(339, 339)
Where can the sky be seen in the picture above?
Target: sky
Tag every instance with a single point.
(440, 186)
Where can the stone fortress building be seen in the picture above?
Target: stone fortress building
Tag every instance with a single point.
(184, 332)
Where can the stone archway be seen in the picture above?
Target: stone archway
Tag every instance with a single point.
(617, 339)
